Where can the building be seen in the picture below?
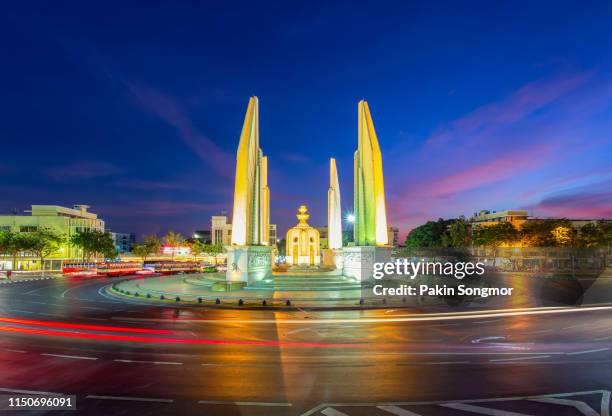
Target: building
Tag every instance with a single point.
(124, 242)
(66, 221)
(203, 236)
(393, 236)
(516, 217)
(221, 231)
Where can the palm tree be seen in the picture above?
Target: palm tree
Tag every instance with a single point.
(173, 240)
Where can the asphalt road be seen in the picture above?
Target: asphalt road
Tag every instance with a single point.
(125, 357)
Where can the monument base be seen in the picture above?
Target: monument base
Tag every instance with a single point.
(248, 264)
(333, 259)
(359, 261)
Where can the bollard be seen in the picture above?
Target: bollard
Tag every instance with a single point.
(199, 300)
(240, 302)
(217, 301)
(264, 303)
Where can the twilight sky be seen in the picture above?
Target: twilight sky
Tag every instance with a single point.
(136, 109)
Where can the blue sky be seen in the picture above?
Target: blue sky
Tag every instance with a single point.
(136, 109)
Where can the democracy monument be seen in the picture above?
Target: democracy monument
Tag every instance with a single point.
(250, 257)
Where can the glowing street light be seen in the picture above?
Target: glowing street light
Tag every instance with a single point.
(350, 218)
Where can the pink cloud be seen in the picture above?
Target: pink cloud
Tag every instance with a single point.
(590, 206)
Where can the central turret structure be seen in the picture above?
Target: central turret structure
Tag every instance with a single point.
(303, 242)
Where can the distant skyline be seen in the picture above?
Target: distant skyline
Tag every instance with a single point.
(136, 109)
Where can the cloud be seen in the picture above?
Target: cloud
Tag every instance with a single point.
(171, 112)
(82, 170)
(154, 185)
(294, 157)
(156, 208)
(590, 206)
(528, 99)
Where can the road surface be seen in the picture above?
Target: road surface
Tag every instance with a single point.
(129, 357)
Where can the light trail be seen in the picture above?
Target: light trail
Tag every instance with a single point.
(498, 313)
(136, 338)
(67, 325)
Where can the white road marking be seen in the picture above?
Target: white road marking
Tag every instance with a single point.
(588, 351)
(330, 411)
(76, 357)
(499, 360)
(135, 399)
(149, 362)
(11, 350)
(582, 407)
(481, 410)
(605, 403)
(267, 404)
(398, 411)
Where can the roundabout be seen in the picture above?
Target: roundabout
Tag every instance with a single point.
(114, 353)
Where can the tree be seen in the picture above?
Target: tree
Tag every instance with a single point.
(150, 245)
(546, 233)
(429, 234)
(173, 240)
(197, 247)
(43, 242)
(594, 235)
(460, 233)
(495, 235)
(94, 243)
(215, 250)
(14, 244)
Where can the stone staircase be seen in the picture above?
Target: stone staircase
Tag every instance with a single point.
(289, 282)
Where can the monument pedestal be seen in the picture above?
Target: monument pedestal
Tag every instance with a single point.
(333, 259)
(247, 265)
(359, 261)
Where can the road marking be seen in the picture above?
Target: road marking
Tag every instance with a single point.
(432, 363)
(398, 411)
(135, 399)
(19, 351)
(76, 357)
(487, 321)
(267, 404)
(149, 362)
(588, 351)
(582, 407)
(499, 360)
(330, 411)
(481, 410)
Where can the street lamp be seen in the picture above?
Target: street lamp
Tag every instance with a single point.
(350, 218)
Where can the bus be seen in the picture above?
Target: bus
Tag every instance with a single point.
(172, 266)
(109, 268)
